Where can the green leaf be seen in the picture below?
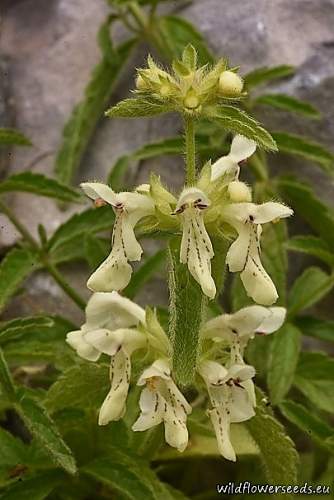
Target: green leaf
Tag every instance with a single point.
(309, 150)
(129, 476)
(17, 328)
(318, 430)
(169, 146)
(316, 327)
(311, 245)
(12, 137)
(16, 266)
(90, 221)
(284, 354)
(46, 433)
(145, 273)
(308, 289)
(315, 379)
(81, 125)
(30, 182)
(235, 120)
(82, 386)
(309, 207)
(13, 450)
(116, 175)
(33, 488)
(289, 103)
(175, 33)
(138, 107)
(6, 381)
(95, 249)
(278, 454)
(267, 74)
(274, 256)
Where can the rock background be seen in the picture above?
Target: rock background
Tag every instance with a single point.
(50, 48)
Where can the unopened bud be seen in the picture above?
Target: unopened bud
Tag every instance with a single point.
(140, 83)
(165, 90)
(191, 101)
(230, 84)
(239, 192)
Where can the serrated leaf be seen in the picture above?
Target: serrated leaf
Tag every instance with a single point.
(16, 266)
(33, 488)
(175, 33)
(128, 475)
(45, 433)
(145, 273)
(30, 182)
(311, 245)
(315, 379)
(278, 454)
(289, 103)
(82, 386)
(16, 328)
(138, 107)
(267, 74)
(12, 449)
(318, 430)
(95, 249)
(315, 327)
(308, 289)
(284, 354)
(12, 137)
(303, 147)
(85, 116)
(237, 121)
(74, 229)
(302, 198)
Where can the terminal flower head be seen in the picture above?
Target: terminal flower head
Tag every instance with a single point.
(115, 272)
(196, 248)
(161, 401)
(228, 166)
(244, 253)
(231, 399)
(111, 328)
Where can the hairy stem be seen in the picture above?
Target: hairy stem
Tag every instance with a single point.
(189, 130)
(52, 270)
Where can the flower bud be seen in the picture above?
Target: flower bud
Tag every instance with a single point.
(191, 101)
(239, 192)
(230, 84)
(140, 83)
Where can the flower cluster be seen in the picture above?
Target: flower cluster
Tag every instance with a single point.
(218, 204)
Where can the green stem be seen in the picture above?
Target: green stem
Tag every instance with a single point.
(189, 130)
(52, 270)
(139, 15)
(63, 284)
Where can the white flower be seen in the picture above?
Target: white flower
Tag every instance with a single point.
(161, 401)
(115, 272)
(196, 248)
(244, 253)
(109, 318)
(231, 398)
(241, 149)
(241, 326)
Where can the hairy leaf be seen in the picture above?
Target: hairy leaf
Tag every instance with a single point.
(12, 137)
(16, 266)
(311, 245)
(289, 103)
(284, 353)
(278, 454)
(33, 488)
(308, 289)
(45, 433)
(85, 116)
(315, 327)
(267, 74)
(30, 182)
(13, 450)
(6, 381)
(309, 207)
(234, 120)
(314, 426)
(310, 150)
(138, 106)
